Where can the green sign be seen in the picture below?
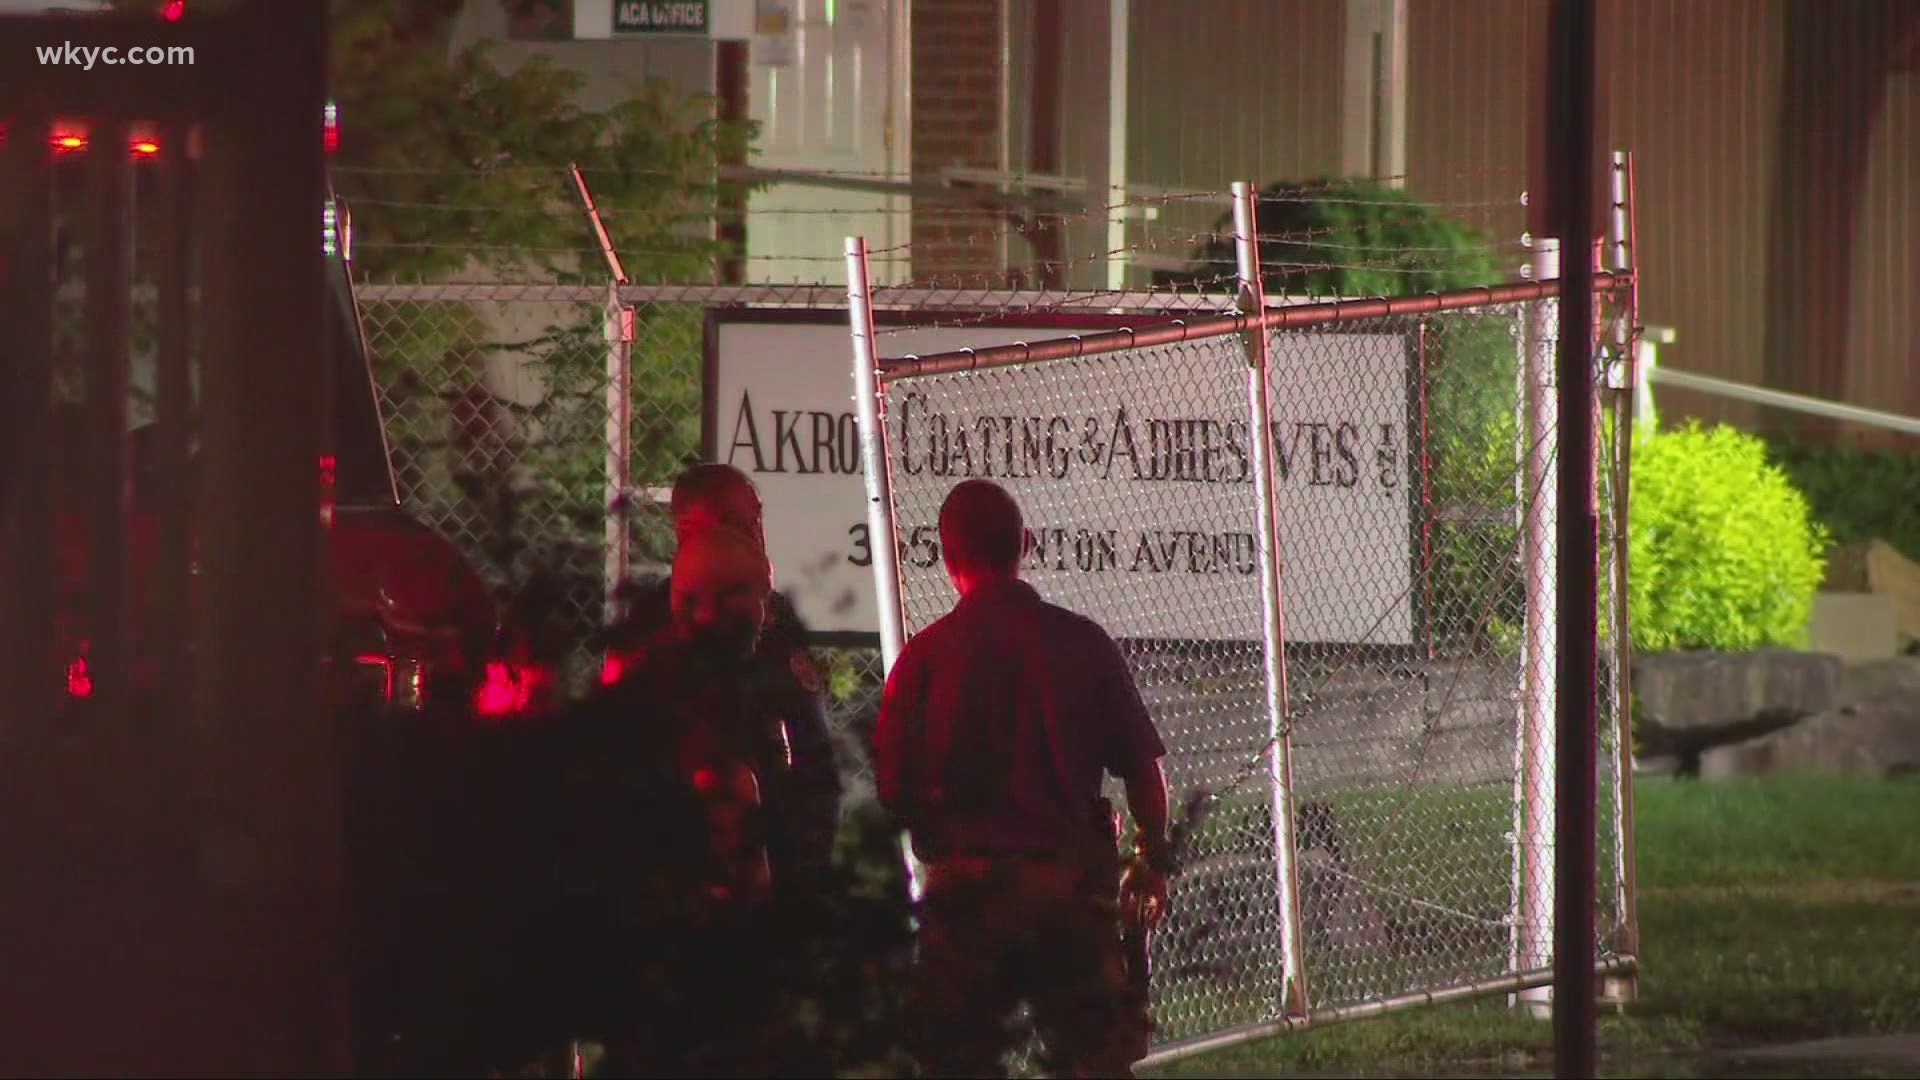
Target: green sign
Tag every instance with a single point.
(660, 16)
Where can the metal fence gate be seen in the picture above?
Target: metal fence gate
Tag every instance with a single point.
(540, 426)
(1327, 549)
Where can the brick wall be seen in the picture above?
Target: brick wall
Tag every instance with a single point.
(956, 121)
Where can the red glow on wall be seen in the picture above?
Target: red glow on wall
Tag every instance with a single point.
(173, 10)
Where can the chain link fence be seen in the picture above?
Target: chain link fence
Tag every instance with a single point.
(1404, 504)
(496, 404)
(1393, 815)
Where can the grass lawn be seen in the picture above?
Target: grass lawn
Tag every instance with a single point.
(1770, 911)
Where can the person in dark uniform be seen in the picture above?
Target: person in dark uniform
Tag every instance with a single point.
(804, 801)
(675, 965)
(996, 726)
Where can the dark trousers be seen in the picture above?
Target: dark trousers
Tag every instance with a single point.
(997, 932)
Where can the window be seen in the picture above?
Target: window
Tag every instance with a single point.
(539, 20)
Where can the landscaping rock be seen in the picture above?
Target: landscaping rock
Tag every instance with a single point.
(1688, 701)
(1856, 626)
(1895, 575)
(1880, 678)
(1877, 735)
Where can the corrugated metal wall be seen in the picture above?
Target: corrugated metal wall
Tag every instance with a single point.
(1250, 89)
(1694, 90)
(1229, 91)
(1468, 65)
(1233, 91)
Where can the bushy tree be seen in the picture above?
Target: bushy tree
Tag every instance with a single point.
(459, 159)
(1725, 553)
(1328, 238)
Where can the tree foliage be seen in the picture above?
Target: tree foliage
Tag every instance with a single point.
(1346, 237)
(450, 155)
(1860, 493)
(456, 157)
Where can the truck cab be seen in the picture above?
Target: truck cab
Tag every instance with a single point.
(413, 629)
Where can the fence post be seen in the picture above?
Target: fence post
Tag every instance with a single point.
(1532, 911)
(1273, 638)
(871, 407)
(1623, 988)
(619, 531)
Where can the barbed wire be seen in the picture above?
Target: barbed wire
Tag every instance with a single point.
(1170, 267)
(614, 212)
(896, 252)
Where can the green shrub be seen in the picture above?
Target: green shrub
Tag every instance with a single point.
(1346, 238)
(1725, 553)
(1859, 494)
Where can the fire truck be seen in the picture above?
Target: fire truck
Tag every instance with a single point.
(429, 687)
(413, 628)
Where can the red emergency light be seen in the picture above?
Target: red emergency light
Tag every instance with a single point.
(173, 10)
(385, 664)
(507, 690)
(329, 471)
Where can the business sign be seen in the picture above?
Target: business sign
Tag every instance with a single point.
(660, 17)
(1138, 489)
(719, 20)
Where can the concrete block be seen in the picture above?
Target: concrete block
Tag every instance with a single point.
(1855, 626)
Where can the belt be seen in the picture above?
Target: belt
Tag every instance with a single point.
(1032, 872)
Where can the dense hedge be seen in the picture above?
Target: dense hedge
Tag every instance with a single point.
(1726, 553)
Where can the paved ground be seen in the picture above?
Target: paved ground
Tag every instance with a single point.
(1895, 1052)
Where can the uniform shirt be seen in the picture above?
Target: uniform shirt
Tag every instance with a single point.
(997, 723)
(803, 792)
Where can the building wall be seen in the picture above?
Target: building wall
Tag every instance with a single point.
(956, 87)
(1221, 92)
(1695, 91)
(1250, 89)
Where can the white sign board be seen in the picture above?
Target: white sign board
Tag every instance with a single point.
(1138, 490)
(720, 20)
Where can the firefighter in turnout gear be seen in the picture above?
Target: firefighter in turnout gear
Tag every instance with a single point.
(803, 799)
(669, 831)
